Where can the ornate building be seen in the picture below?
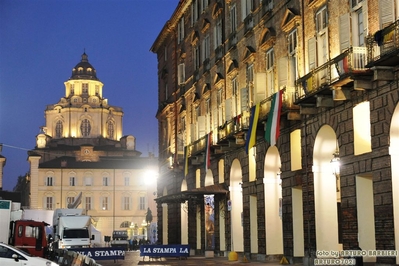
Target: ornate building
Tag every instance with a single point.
(83, 156)
(221, 66)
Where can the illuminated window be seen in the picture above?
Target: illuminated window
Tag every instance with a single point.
(85, 88)
(104, 203)
(58, 129)
(85, 128)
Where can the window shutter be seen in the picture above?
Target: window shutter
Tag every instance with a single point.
(192, 133)
(215, 118)
(386, 12)
(181, 74)
(228, 109)
(201, 126)
(344, 31)
(260, 87)
(312, 53)
(244, 99)
(282, 71)
(220, 114)
(292, 71)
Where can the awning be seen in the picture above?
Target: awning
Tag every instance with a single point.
(195, 193)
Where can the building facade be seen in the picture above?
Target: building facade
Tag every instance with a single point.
(326, 181)
(83, 160)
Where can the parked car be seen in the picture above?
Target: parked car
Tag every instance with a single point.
(12, 256)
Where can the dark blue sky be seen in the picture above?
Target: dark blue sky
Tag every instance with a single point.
(42, 40)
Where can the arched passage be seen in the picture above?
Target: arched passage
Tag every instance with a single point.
(272, 183)
(237, 232)
(325, 190)
(394, 152)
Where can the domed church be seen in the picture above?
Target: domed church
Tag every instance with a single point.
(83, 160)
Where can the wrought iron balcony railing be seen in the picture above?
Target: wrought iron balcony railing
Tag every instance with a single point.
(383, 44)
(352, 61)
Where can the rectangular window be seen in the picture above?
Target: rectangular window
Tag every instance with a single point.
(104, 203)
(321, 19)
(233, 18)
(292, 42)
(72, 181)
(88, 203)
(142, 203)
(218, 32)
(49, 203)
(180, 30)
(270, 71)
(105, 181)
(126, 203)
(70, 200)
(88, 181)
(85, 88)
(49, 181)
(127, 181)
(206, 48)
(196, 57)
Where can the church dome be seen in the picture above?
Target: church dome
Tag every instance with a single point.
(84, 70)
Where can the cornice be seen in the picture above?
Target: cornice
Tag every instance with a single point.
(170, 25)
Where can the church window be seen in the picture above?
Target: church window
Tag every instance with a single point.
(94, 100)
(97, 89)
(110, 130)
(85, 128)
(75, 100)
(85, 88)
(72, 89)
(58, 129)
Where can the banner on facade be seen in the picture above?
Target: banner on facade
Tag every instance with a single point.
(105, 253)
(165, 250)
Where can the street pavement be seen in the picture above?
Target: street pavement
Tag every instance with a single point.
(133, 258)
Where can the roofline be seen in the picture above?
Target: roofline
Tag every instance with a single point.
(170, 25)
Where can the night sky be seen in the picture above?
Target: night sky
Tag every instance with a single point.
(42, 40)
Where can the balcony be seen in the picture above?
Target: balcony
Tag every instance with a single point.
(383, 47)
(347, 70)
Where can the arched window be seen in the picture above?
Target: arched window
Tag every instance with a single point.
(85, 128)
(110, 130)
(58, 129)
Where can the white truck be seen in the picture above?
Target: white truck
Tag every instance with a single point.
(72, 229)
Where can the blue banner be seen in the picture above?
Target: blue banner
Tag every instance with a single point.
(165, 250)
(106, 253)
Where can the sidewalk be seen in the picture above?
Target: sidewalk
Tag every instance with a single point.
(133, 258)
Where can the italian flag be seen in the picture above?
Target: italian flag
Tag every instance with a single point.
(272, 131)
